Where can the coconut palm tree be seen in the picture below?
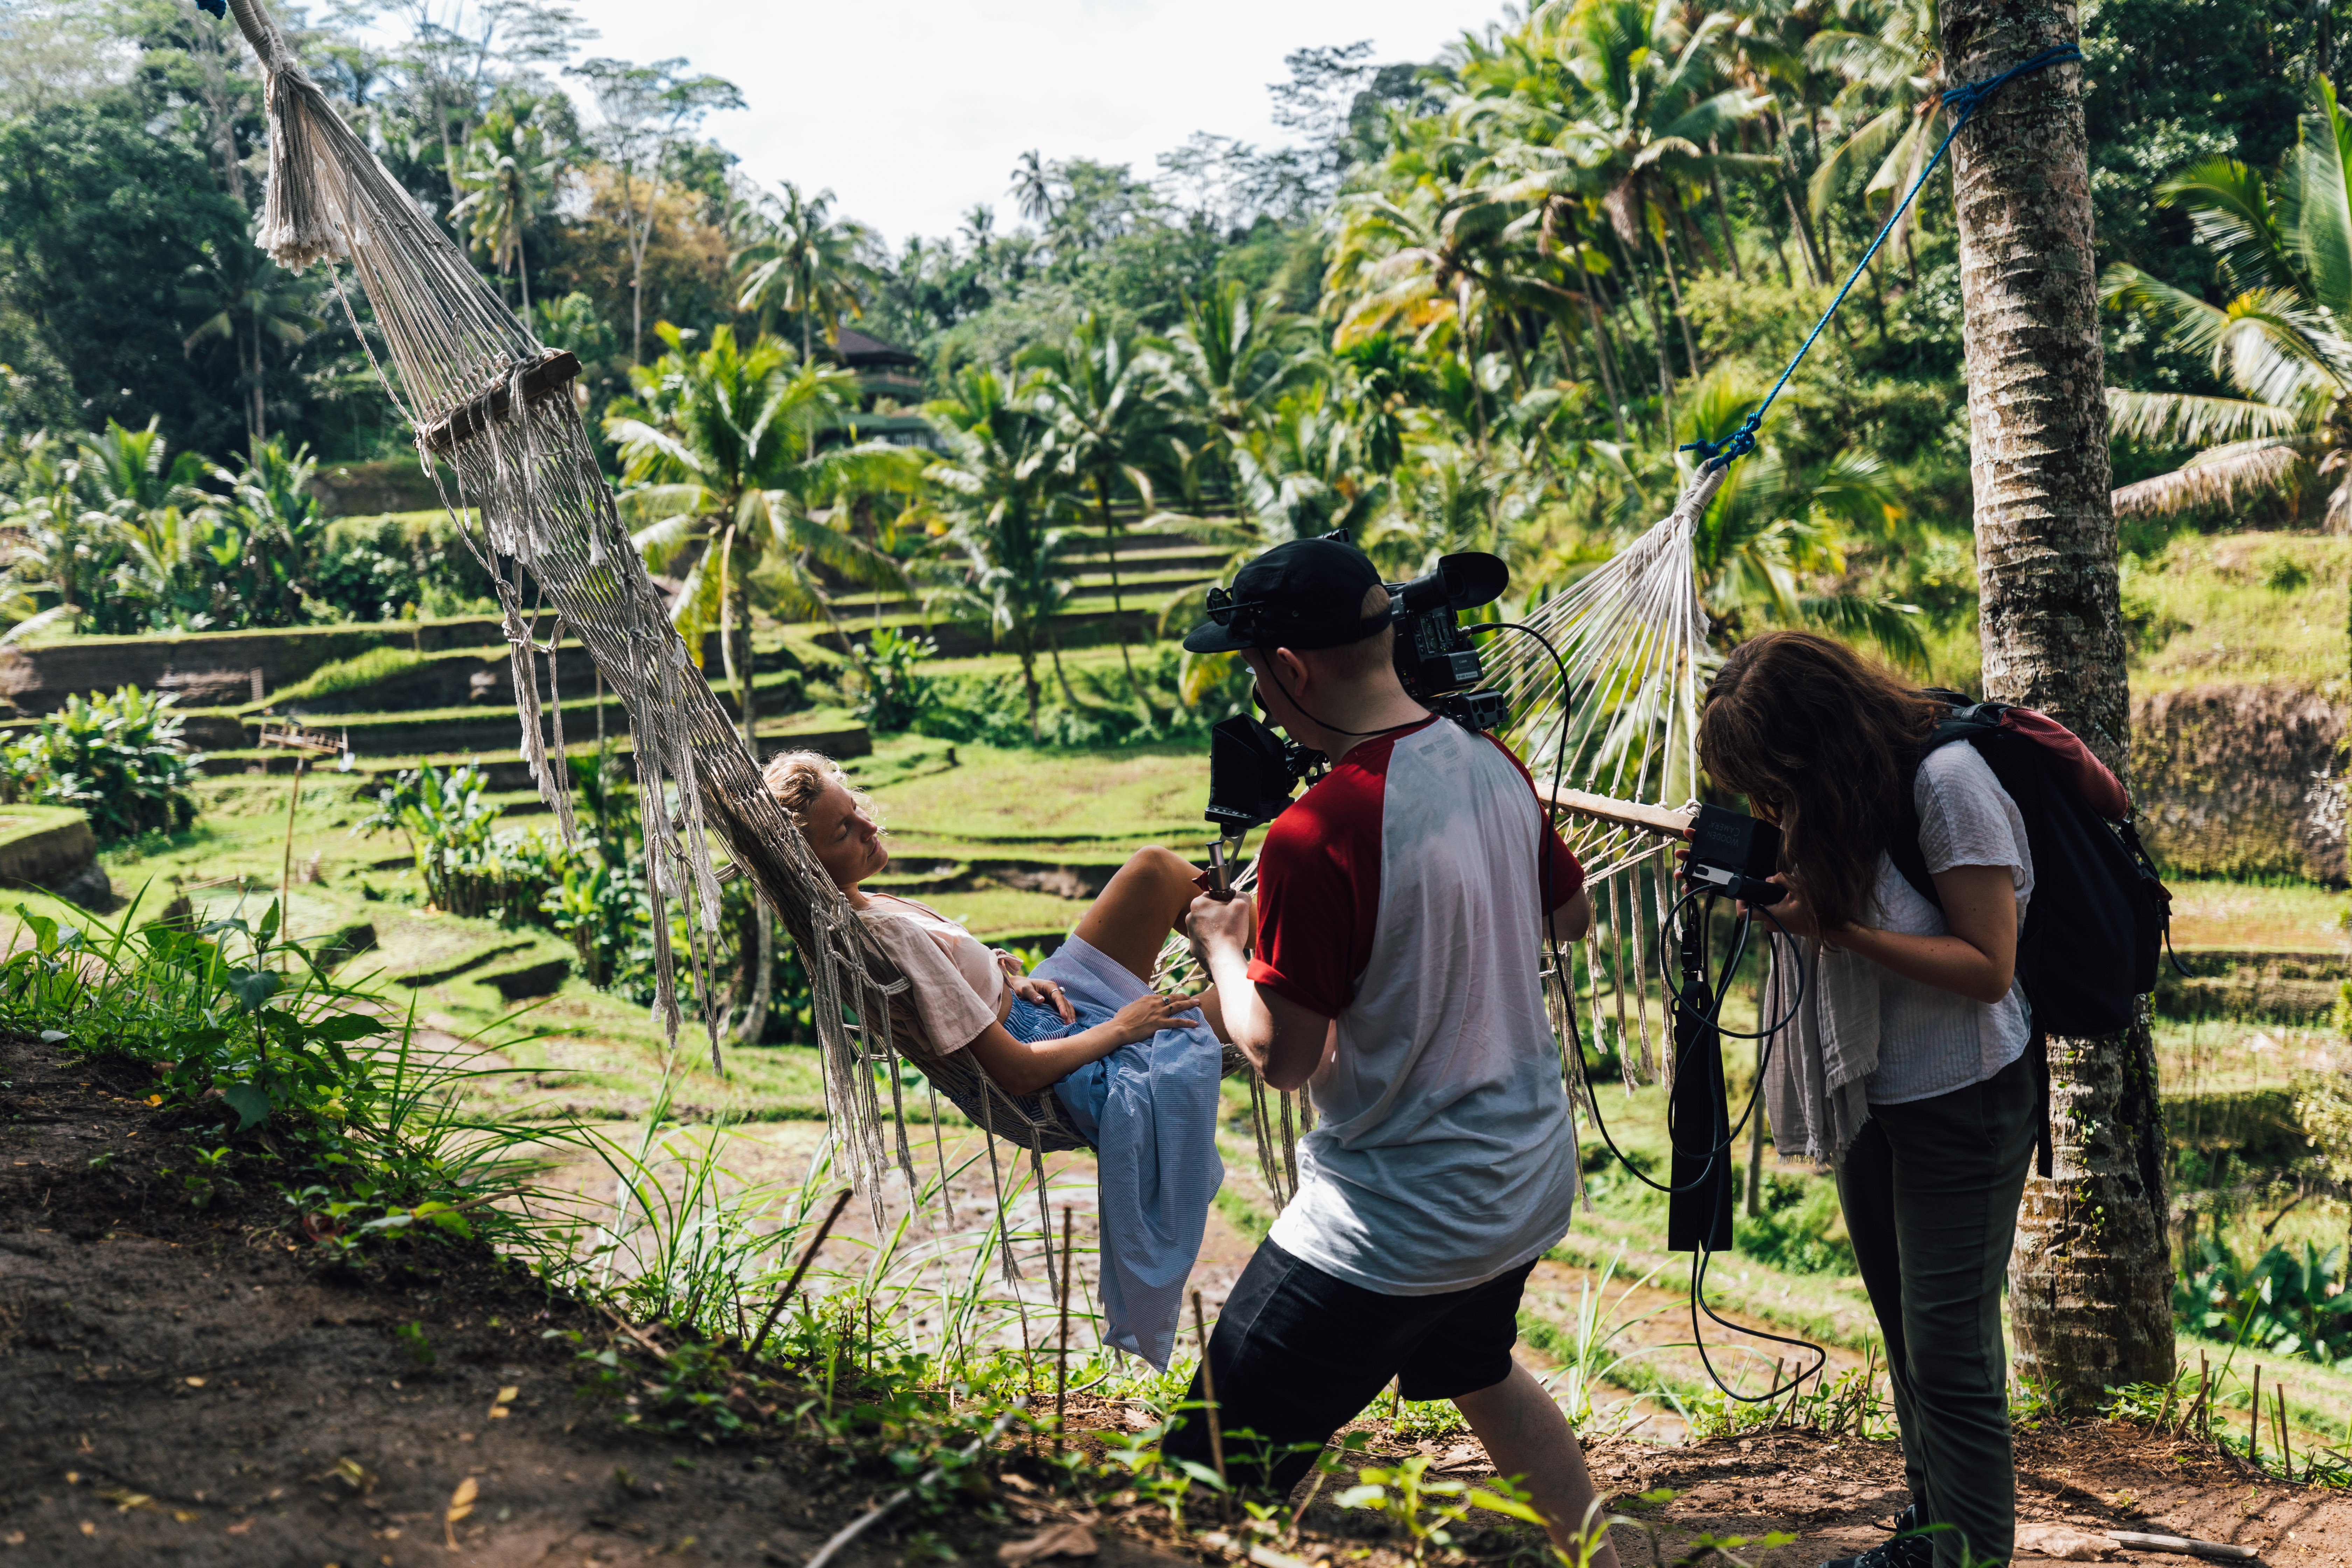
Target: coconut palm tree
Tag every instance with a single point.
(508, 176)
(249, 301)
(2090, 1278)
(723, 449)
(1892, 59)
(805, 263)
(2283, 339)
(1008, 517)
(727, 471)
(1110, 417)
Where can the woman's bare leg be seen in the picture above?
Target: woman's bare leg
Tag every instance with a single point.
(1143, 903)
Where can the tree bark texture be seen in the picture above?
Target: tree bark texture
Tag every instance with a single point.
(2090, 1279)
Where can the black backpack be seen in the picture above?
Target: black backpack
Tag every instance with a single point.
(2100, 914)
(2087, 951)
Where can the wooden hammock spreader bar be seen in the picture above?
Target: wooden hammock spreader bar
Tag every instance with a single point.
(542, 380)
(1622, 813)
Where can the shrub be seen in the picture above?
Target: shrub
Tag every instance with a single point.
(2281, 1304)
(469, 868)
(885, 690)
(118, 761)
(1792, 1230)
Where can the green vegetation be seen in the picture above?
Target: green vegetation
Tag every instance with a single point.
(118, 760)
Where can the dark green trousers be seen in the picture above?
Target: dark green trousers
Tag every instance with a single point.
(1930, 1192)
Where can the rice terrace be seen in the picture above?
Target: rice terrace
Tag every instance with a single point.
(769, 797)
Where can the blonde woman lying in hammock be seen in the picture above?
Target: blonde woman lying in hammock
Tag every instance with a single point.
(1137, 1070)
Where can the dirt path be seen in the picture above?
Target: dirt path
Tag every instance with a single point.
(192, 1386)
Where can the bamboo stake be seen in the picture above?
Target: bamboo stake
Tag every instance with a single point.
(1209, 1398)
(2204, 1398)
(286, 870)
(840, 1202)
(1062, 1355)
(2170, 1389)
(2254, 1421)
(2286, 1454)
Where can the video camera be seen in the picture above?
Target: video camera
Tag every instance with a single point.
(1253, 772)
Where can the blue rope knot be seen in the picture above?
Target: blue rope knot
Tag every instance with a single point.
(1719, 453)
(1961, 101)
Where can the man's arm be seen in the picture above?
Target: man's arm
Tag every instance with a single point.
(1284, 1041)
(1572, 917)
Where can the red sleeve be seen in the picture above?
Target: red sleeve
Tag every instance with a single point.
(1566, 872)
(1319, 887)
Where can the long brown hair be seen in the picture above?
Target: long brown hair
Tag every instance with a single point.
(1819, 740)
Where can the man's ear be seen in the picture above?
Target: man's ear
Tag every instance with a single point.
(1292, 670)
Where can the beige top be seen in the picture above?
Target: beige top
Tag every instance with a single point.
(957, 983)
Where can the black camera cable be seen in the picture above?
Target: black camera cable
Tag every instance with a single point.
(1702, 1255)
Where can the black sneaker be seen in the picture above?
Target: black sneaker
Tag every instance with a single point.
(1903, 1550)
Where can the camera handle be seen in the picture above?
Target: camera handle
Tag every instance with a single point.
(1220, 870)
(1698, 1124)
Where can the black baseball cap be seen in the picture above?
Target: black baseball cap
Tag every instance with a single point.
(1307, 593)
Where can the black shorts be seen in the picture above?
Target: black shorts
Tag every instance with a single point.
(1298, 1353)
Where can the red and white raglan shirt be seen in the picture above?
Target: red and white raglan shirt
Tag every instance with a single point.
(1401, 897)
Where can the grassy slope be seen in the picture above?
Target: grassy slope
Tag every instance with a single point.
(2241, 607)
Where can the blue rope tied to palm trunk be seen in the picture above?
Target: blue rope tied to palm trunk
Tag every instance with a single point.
(1961, 101)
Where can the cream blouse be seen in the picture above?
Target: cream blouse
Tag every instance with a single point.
(959, 987)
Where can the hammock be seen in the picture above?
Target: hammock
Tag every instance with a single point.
(490, 402)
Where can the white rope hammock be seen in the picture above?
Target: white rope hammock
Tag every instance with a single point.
(490, 402)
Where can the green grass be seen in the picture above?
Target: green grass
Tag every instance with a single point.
(362, 669)
(1038, 803)
(2289, 917)
(2240, 606)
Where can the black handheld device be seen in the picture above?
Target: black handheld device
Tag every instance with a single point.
(1732, 852)
(1253, 773)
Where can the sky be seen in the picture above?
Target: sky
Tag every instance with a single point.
(913, 112)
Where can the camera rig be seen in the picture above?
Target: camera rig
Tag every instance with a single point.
(1253, 772)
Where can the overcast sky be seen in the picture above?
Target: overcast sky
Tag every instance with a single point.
(913, 112)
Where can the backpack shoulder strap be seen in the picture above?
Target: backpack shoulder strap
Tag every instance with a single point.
(1966, 721)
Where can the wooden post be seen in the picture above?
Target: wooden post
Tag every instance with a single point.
(1209, 1398)
(2254, 1421)
(1062, 1351)
(286, 870)
(2287, 1452)
(840, 1202)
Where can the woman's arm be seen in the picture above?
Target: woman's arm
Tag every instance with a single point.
(1023, 1066)
(1978, 960)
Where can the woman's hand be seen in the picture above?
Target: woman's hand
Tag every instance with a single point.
(1146, 1016)
(1041, 992)
(1792, 913)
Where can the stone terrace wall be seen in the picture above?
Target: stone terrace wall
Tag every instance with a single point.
(2242, 780)
(215, 668)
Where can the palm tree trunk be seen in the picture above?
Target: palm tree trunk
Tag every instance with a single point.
(1110, 554)
(522, 270)
(1723, 218)
(1060, 677)
(2090, 1279)
(1028, 650)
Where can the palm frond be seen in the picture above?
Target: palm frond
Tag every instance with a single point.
(2258, 469)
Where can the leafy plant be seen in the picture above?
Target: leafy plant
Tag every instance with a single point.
(1791, 1230)
(468, 866)
(118, 761)
(2281, 1303)
(888, 693)
(1426, 1510)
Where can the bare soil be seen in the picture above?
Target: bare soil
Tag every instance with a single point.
(193, 1386)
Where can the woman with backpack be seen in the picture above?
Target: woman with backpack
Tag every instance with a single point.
(1905, 1065)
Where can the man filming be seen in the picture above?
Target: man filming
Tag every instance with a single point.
(1396, 973)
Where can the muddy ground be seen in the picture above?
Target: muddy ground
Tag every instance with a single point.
(195, 1386)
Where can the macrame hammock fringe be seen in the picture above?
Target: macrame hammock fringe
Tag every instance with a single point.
(492, 405)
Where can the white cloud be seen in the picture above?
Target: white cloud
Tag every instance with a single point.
(913, 112)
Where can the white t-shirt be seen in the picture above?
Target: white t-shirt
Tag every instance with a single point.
(1398, 897)
(958, 985)
(1932, 1041)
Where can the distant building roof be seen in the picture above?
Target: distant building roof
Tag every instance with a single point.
(858, 350)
